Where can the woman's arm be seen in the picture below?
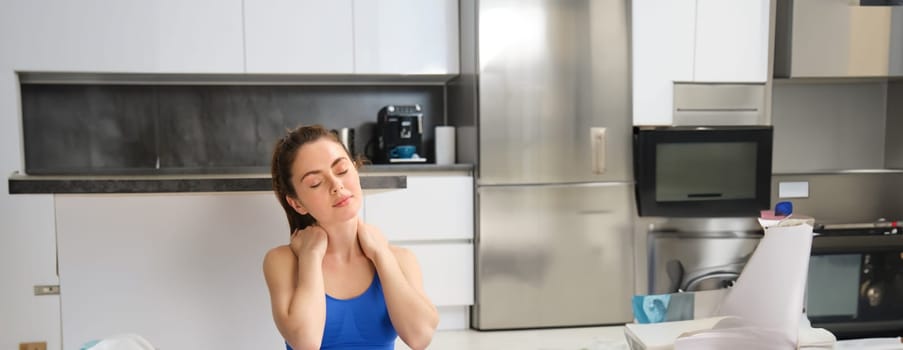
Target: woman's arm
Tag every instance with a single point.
(413, 315)
(297, 293)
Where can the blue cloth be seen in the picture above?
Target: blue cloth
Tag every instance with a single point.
(359, 323)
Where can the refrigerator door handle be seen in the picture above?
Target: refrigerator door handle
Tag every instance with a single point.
(597, 140)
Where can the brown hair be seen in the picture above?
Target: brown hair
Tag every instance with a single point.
(281, 169)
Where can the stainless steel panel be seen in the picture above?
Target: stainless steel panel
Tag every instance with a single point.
(783, 38)
(893, 156)
(847, 197)
(702, 227)
(719, 104)
(554, 255)
(824, 127)
(831, 38)
(697, 228)
(549, 71)
(896, 42)
(462, 100)
(684, 260)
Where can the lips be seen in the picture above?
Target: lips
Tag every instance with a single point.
(342, 202)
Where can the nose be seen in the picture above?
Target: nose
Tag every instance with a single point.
(336, 186)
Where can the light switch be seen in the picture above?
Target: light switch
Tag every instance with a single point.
(793, 189)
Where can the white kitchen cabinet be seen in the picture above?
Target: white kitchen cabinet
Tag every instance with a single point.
(663, 49)
(447, 272)
(166, 36)
(182, 270)
(694, 41)
(432, 207)
(305, 36)
(235, 36)
(406, 37)
(731, 41)
(433, 217)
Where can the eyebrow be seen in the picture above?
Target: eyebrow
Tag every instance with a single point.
(336, 161)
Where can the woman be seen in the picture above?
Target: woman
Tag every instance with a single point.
(338, 284)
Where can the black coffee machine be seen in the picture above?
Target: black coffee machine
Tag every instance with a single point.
(399, 135)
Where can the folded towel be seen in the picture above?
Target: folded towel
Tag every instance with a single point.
(119, 342)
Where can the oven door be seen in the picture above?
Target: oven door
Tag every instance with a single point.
(855, 285)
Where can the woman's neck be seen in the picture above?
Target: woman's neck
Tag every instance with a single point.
(342, 240)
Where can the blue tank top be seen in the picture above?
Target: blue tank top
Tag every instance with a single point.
(359, 323)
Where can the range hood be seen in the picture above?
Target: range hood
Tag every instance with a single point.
(838, 39)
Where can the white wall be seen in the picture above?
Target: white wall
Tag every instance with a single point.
(27, 244)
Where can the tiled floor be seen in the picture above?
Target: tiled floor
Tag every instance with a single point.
(588, 338)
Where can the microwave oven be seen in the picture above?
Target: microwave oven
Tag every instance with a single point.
(702, 171)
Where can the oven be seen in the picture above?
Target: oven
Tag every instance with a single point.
(855, 280)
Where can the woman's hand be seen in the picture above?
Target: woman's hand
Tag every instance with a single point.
(309, 241)
(373, 243)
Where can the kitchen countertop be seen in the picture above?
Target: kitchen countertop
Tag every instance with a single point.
(583, 338)
(239, 181)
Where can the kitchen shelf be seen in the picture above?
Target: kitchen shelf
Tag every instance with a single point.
(840, 171)
(38, 184)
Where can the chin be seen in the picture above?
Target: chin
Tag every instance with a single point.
(349, 212)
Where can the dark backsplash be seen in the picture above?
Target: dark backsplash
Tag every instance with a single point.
(127, 129)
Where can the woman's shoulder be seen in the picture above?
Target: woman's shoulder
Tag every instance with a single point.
(403, 255)
(278, 256)
(279, 251)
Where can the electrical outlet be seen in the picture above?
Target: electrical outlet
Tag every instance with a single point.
(33, 346)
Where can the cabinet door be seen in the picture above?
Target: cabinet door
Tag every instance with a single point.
(430, 208)
(298, 36)
(182, 270)
(732, 41)
(447, 272)
(406, 37)
(663, 40)
(166, 36)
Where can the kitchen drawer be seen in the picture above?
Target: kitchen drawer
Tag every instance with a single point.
(447, 272)
(430, 208)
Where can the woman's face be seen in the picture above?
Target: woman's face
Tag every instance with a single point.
(326, 182)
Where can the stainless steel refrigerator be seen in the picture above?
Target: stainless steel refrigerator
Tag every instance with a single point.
(543, 109)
